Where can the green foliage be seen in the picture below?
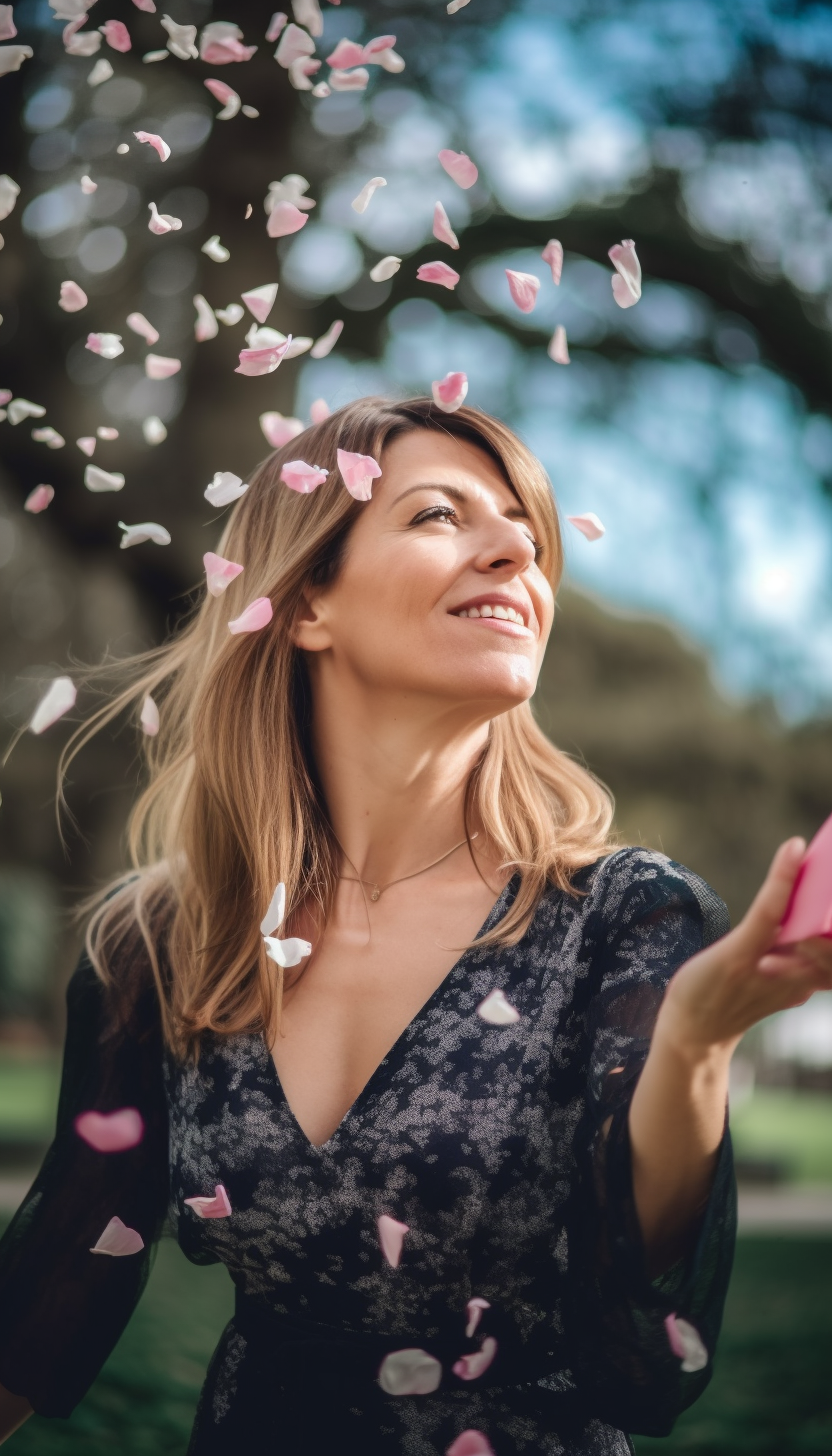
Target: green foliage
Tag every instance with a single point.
(794, 1128)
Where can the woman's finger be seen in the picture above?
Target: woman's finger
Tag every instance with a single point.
(758, 927)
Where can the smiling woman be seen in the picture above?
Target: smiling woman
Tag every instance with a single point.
(459, 1135)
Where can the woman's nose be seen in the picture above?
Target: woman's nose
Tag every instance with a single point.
(507, 546)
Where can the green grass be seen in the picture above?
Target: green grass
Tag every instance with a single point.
(28, 1096)
(792, 1127)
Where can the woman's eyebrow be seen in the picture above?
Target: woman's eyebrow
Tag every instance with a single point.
(514, 513)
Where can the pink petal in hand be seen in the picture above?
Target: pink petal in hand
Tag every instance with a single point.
(302, 477)
(116, 35)
(257, 614)
(524, 288)
(57, 700)
(558, 348)
(459, 167)
(442, 229)
(155, 141)
(437, 273)
(139, 324)
(278, 429)
(219, 572)
(409, 1372)
(72, 297)
(553, 255)
(588, 524)
(474, 1309)
(471, 1367)
(326, 343)
(156, 366)
(149, 718)
(358, 473)
(38, 499)
(217, 1207)
(285, 219)
(496, 1010)
(626, 281)
(111, 1132)
(319, 411)
(449, 393)
(118, 1240)
(260, 301)
(685, 1342)
(470, 1443)
(809, 911)
(391, 1237)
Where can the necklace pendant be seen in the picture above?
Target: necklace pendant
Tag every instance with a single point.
(376, 893)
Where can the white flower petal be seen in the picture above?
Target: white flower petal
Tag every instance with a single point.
(326, 343)
(206, 326)
(287, 953)
(101, 71)
(154, 430)
(98, 480)
(589, 525)
(140, 325)
(24, 409)
(224, 488)
(359, 203)
(215, 250)
(273, 918)
(385, 268)
(9, 193)
(57, 700)
(260, 301)
(149, 717)
(156, 366)
(496, 1010)
(230, 315)
(409, 1372)
(145, 531)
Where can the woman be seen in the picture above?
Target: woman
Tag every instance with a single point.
(466, 1162)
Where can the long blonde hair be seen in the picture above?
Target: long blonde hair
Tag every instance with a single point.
(232, 805)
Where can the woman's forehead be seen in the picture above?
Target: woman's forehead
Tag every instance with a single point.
(437, 458)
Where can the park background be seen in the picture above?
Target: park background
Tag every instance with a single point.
(691, 664)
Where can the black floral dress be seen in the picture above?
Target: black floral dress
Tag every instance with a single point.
(520, 1298)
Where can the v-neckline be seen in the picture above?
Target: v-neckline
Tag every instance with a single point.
(494, 914)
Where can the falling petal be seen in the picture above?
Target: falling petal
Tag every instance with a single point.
(302, 477)
(87, 443)
(206, 326)
(221, 42)
(5, 396)
(474, 1309)
(49, 437)
(293, 43)
(289, 952)
(260, 301)
(442, 227)
(88, 186)
(9, 193)
(215, 250)
(101, 71)
(558, 349)
(321, 90)
(300, 71)
(154, 430)
(145, 531)
(72, 297)
(588, 525)
(391, 1237)
(156, 366)
(118, 1240)
(12, 58)
(452, 8)
(217, 1207)
(219, 572)
(319, 411)
(459, 167)
(273, 918)
(437, 273)
(471, 1367)
(524, 288)
(149, 717)
(78, 42)
(98, 480)
(349, 80)
(248, 211)
(284, 219)
(57, 700)
(146, 5)
(124, 147)
(626, 281)
(8, 29)
(38, 499)
(139, 324)
(111, 1132)
(116, 35)
(347, 53)
(553, 255)
(326, 343)
(109, 346)
(24, 409)
(298, 344)
(276, 24)
(182, 38)
(409, 1372)
(449, 393)
(377, 47)
(358, 473)
(385, 268)
(278, 429)
(686, 1343)
(227, 97)
(148, 58)
(162, 222)
(107, 432)
(469, 1443)
(224, 488)
(230, 315)
(497, 1010)
(257, 615)
(291, 188)
(308, 14)
(359, 203)
(255, 362)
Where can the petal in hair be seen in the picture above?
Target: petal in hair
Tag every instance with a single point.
(206, 326)
(214, 250)
(326, 343)
(38, 499)
(162, 222)
(221, 42)
(9, 191)
(474, 1309)
(87, 443)
(49, 437)
(471, 1367)
(409, 1372)
(469, 1443)
(626, 281)
(273, 918)
(154, 430)
(156, 366)
(524, 288)
(289, 952)
(72, 297)
(153, 140)
(98, 480)
(227, 97)
(449, 393)
(257, 615)
(279, 429)
(358, 473)
(182, 39)
(438, 273)
(442, 229)
(588, 524)
(88, 186)
(359, 203)
(219, 572)
(319, 411)
(553, 255)
(145, 531)
(217, 1207)
(459, 167)
(24, 409)
(118, 1240)
(558, 348)
(260, 301)
(385, 268)
(224, 488)
(293, 43)
(109, 346)
(116, 35)
(276, 24)
(496, 1010)
(255, 362)
(140, 325)
(686, 1343)
(111, 1132)
(349, 80)
(230, 315)
(149, 718)
(285, 219)
(391, 1237)
(308, 13)
(302, 477)
(58, 699)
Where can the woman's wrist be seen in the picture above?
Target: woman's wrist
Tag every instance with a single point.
(679, 1034)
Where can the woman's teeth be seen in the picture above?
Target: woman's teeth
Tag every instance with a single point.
(505, 614)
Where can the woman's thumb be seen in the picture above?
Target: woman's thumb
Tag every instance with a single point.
(758, 927)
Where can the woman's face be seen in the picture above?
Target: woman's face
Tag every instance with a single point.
(439, 595)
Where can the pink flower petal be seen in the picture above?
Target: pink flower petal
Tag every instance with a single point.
(147, 5)
(162, 222)
(319, 411)
(302, 477)
(217, 1207)
(260, 301)
(87, 443)
(391, 1237)
(38, 499)
(293, 43)
(437, 273)
(553, 255)
(308, 13)
(227, 96)
(57, 700)
(409, 1372)
(88, 187)
(588, 525)
(459, 167)
(326, 343)
(78, 43)
(360, 203)
(262, 361)
(377, 46)
(219, 572)
(301, 70)
(72, 297)
(8, 29)
(809, 912)
(474, 1309)
(139, 324)
(358, 473)
(257, 614)
(524, 288)
(107, 432)
(109, 346)
(111, 1132)
(206, 326)
(469, 1443)
(49, 437)
(349, 80)
(285, 219)
(442, 227)
(116, 35)
(156, 366)
(221, 42)
(471, 1367)
(278, 429)
(149, 718)
(347, 53)
(686, 1343)
(155, 141)
(98, 480)
(626, 281)
(118, 1240)
(449, 393)
(276, 24)
(496, 1010)
(558, 348)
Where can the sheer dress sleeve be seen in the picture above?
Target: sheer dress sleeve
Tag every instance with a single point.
(62, 1308)
(655, 916)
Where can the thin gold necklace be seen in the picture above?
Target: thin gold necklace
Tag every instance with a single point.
(378, 890)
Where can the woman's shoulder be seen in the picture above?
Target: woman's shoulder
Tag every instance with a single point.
(632, 882)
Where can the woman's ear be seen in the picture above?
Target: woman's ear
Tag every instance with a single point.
(310, 630)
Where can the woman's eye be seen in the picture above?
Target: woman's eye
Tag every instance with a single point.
(434, 513)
